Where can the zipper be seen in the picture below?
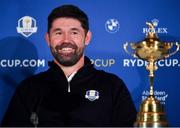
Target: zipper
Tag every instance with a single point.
(69, 87)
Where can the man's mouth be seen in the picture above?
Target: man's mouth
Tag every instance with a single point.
(66, 50)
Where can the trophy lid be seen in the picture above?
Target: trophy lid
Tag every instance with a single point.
(151, 48)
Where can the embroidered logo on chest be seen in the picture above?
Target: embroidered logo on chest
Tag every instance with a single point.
(92, 95)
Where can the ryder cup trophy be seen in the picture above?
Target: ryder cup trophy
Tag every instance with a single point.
(151, 49)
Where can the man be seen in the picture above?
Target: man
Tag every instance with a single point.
(71, 92)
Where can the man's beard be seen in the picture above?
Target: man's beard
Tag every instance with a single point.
(67, 59)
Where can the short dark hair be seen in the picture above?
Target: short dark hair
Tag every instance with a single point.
(69, 11)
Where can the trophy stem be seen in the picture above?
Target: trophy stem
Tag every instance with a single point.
(151, 92)
(151, 67)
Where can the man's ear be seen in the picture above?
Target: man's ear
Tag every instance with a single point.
(47, 38)
(88, 37)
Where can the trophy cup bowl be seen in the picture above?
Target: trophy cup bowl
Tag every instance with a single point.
(148, 50)
(151, 49)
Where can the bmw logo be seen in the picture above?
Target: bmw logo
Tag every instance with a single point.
(112, 25)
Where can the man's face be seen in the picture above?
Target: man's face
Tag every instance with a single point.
(67, 40)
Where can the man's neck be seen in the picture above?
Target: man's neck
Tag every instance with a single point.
(68, 70)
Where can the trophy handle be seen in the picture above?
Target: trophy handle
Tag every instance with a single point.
(126, 49)
(177, 49)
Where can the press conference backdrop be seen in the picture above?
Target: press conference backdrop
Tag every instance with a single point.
(24, 51)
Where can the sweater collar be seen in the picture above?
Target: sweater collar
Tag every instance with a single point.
(88, 67)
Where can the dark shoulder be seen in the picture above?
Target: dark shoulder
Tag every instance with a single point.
(114, 83)
(33, 83)
(38, 76)
(110, 77)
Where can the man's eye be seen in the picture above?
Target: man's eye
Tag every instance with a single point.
(74, 33)
(58, 33)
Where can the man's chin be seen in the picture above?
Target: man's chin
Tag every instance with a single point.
(67, 58)
(67, 63)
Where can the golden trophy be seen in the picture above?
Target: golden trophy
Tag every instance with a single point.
(151, 49)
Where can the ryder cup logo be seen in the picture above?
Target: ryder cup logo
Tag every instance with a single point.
(92, 95)
(112, 25)
(26, 26)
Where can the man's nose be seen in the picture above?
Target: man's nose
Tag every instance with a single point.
(66, 37)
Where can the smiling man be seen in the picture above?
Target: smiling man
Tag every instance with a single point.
(67, 40)
(71, 92)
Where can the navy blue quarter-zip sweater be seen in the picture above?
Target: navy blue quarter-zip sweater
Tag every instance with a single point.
(96, 98)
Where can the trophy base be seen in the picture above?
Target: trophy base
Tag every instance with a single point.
(151, 124)
(151, 114)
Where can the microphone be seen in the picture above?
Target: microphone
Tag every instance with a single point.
(34, 119)
(34, 114)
